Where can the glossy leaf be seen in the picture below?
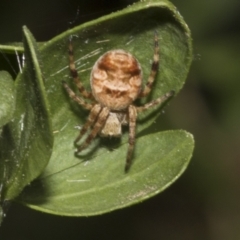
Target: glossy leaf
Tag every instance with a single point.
(100, 185)
(95, 182)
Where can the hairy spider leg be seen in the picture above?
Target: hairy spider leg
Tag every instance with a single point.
(74, 73)
(155, 102)
(99, 123)
(90, 121)
(132, 112)
(148, 87)
(76, 98)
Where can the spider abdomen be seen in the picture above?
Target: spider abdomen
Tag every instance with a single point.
(116, 79)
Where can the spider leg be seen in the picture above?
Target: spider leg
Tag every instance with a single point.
(91, 119)
(100, 121)
(155, 102)
(154, 69)
(76, 98)
(132, 131)
(74, 73)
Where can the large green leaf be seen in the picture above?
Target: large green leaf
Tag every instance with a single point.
(96, 182)
(100, 185)
(26, 142)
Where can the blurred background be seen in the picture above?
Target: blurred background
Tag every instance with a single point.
(205, 202)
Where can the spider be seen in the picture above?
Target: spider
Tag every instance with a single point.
(116, 82)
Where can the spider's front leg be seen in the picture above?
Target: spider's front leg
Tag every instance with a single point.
(74, 73)
(132, 112)
(76, 98)
(98, 115)
(91, 119)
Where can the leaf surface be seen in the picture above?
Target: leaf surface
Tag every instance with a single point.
(99, 185)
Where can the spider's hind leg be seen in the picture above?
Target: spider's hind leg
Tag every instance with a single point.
(148, 87)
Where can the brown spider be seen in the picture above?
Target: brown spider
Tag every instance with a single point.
(116, 82)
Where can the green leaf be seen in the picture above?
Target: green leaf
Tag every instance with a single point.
(96, 182)
(99, 185)
(26, 142)
(7, 98)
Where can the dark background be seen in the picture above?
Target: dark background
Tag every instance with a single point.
(205, 202)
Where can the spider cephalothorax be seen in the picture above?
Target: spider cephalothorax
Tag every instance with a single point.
(116, 82)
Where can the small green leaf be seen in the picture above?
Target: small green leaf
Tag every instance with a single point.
(96, 182)
(26, 142)
(7, 98)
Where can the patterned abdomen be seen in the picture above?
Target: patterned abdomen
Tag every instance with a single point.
(116, 79)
